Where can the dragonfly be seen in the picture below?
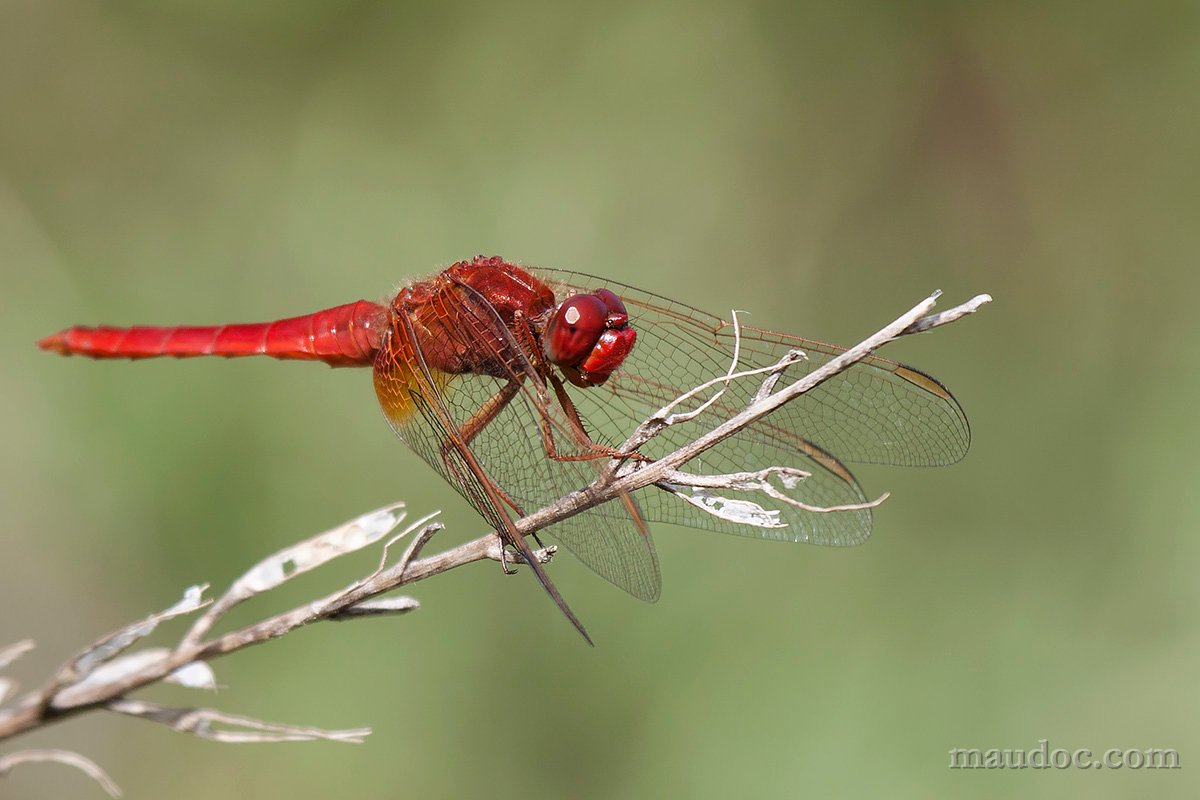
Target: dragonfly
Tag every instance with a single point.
(519, 385)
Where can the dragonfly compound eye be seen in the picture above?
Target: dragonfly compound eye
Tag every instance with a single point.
(575, 328)
(614, 304)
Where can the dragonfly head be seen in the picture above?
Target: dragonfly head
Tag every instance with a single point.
(588, 337)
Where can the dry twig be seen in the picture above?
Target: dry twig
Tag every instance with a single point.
(70, 759)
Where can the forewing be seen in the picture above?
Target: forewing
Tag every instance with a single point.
(877, 411)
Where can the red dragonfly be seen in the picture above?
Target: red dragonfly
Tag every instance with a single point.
(517, 384)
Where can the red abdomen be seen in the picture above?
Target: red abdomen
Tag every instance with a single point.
(343, 336)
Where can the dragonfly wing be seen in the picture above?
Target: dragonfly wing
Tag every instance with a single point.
(877, 411)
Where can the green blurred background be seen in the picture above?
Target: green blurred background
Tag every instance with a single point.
(823, 165)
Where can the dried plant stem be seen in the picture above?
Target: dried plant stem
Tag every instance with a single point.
(66, 757)
(55, 702)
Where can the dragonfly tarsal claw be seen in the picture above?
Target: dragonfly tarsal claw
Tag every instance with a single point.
(505, 555)
(510, 558)
(544, 555)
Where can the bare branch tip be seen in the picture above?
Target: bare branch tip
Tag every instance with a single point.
(235, 729)
(67, 757)
(387, 606)
(12, 652)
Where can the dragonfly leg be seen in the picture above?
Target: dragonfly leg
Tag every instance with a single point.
(592, 450)
(482, 417)
(476, 423)
(595, 450)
